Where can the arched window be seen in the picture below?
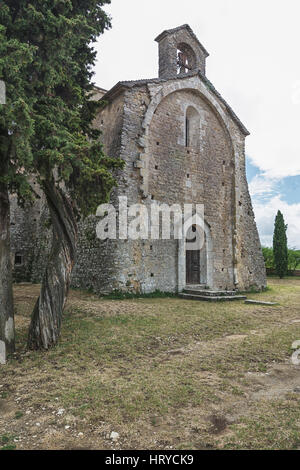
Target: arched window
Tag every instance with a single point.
(186, 58)
(192, 128)
(187, 131)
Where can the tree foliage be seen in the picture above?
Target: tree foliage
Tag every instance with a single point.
(16, 123)
(46, 130)
(280, 248)
(16, 130)
(293, 260)
(53, 95)
(268, 257)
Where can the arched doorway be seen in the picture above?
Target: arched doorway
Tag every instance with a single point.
(196, 256)
(195, 261)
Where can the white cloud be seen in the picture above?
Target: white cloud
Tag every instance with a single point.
(265, 213)
(263, 186)
(254, 50)
(267, 200)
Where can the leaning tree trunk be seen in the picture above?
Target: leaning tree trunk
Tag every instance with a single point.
(7, 327)
(46, 318)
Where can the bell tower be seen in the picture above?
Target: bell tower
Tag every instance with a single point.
(180, 52)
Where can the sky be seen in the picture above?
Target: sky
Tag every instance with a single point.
(254, 63)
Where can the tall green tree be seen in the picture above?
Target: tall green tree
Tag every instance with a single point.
(67, 156)
(16, 129)
(293, 259)
(280, 248)
(268, 257)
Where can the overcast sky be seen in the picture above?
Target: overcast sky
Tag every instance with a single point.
(254, 63)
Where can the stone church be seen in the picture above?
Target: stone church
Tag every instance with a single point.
(181, 144)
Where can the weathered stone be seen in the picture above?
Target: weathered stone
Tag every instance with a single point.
(212, 298)
(145, 123)
(260, 302)
(114, 436)
(183, 39)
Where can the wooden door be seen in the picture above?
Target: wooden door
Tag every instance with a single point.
(193, 267)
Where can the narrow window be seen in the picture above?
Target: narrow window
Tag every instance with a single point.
(18, 259)
(187, 132)
(192, 128)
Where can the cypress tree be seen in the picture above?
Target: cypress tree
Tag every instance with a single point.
(16, 129)
(64, 154)
(280, 248)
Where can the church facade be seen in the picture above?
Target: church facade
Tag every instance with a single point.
(181, 144)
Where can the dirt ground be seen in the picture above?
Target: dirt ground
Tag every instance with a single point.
(160, 373)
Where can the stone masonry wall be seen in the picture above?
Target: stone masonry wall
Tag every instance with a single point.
(145, 125)
(97, 265)
(170, 41)
(28, 229)
(23, 239)
(251, 271)
(223, 178)
(201, 175)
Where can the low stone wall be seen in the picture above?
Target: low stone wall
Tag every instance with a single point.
(290, 273)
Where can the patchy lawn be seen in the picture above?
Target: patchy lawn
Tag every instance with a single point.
(163, 373)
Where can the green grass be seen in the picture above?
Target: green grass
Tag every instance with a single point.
(158, 369)
(120, 295)
(275, 427)
(19, 414)
(6, 442)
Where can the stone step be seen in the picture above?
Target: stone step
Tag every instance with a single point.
(196, 286)
(216, 298)
(261, 302)
(209, 293)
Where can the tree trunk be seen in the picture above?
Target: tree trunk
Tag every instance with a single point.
(46, 318)
(7, 326)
